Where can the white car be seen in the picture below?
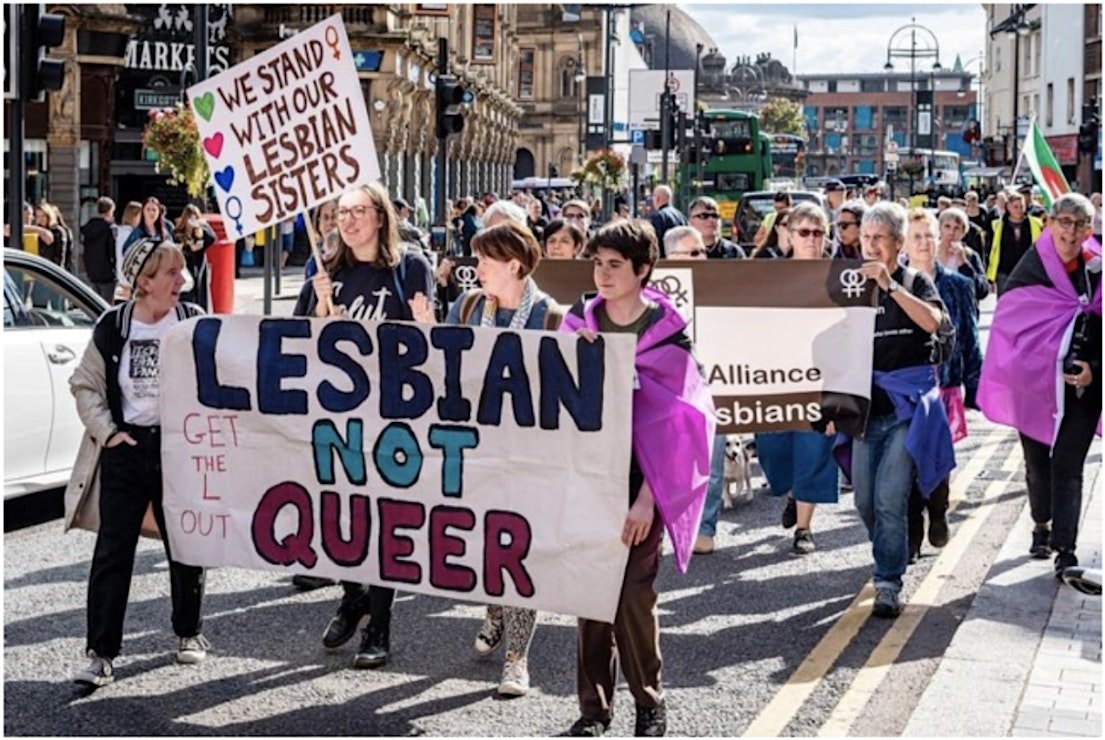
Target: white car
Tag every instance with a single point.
(48, 320)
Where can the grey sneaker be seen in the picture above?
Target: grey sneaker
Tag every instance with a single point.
(887, 605)
(192, 650)
(491, 633)
(98, 673)
(515, 680)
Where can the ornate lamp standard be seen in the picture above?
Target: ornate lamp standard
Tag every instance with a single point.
(903, 44)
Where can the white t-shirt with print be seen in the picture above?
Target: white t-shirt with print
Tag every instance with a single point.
(140, 371)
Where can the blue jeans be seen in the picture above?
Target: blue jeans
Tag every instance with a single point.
(712, 509)
(882, 472)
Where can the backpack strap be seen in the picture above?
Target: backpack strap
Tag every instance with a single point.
(908, 276)
(468, 305)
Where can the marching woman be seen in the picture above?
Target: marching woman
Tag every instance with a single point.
(563, 240)
(367, 277)
(117, 387)
(800, 464)
(1042, 372)
(958, 372)
(668, 474)
(507, 255)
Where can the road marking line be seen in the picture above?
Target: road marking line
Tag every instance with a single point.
(875, 670)
(782, 708)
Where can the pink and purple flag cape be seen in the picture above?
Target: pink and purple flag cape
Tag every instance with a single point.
(1021, 373)
(673, 422)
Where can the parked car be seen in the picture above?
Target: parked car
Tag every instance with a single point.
(48, 320)
(754, 206)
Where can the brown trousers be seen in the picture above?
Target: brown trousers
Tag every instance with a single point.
(634, 638)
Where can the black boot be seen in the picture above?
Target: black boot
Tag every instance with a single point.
(1040, 549)
(375, 646)
(938, 510)
(916, 524)
(651, 721)
(343, 625)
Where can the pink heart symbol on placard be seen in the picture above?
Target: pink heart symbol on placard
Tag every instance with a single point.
(214, 144)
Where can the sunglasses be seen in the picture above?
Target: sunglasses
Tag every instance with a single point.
(846, 224)
(706, 216)
(806, 233)
(693, 253)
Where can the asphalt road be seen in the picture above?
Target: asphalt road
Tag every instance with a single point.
(735, 628)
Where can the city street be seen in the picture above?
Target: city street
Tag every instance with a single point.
(755, 639)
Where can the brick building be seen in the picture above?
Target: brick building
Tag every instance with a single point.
(850, 117)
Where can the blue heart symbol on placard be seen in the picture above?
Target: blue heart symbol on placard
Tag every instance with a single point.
(225, 178)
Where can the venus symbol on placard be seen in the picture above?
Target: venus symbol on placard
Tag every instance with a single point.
(332, 41)
(236, 204)
(214, 144)
(225, 178)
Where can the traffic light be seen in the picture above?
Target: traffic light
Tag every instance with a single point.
(449, 94)
(1087, 132)
(39, 33)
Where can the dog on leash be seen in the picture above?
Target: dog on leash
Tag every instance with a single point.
(738, 471)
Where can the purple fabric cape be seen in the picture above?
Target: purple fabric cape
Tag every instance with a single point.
(673, 422)
(1019, 386)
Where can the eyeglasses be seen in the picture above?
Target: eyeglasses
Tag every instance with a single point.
(846, 224)
(1071, 223)
(693, 253)
(806, 233)
(706, 216)
(355, 212)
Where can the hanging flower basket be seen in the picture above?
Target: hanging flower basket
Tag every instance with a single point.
(173, 136)
(605, 169)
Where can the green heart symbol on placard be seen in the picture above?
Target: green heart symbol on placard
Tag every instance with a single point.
(205, 105)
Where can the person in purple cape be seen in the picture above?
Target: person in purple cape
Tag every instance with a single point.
(1042, 371)
(673, 433)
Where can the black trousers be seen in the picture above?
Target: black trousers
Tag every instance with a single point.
(375, 601)
(130, 480)
(936, 505)
(1054, 476)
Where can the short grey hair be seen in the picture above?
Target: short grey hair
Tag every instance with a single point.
(507, 209)
(890, 215)
(676, 234)
(857, 207)
(703, 201)
(808, 210)
(1075, 203)
(958, 215)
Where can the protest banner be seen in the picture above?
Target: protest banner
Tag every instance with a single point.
(478, 464)
(287, 129)
(785, 344)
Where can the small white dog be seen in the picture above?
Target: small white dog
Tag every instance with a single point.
(738, 471)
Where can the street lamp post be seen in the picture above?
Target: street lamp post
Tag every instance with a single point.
(930, 50)
(581, 83)
(1014, 27)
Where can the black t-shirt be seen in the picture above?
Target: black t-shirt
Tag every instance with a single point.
(898, 341)
(368, 292)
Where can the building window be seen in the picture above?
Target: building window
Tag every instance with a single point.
(836, 119)
(568, 86)
(956, 116)
(863, 116)
(997, 58)
(894, 116)
(832, 85)
(1049, 105)
(525, 73)
(872, 85)
(1070, 100)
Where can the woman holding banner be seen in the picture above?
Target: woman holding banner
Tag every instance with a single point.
(800, 464)
(368, 277)
(117, 388)
(1042, 373)
(959, 370)
(907, 432)
(509, 298)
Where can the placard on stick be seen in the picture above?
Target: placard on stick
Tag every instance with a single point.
(287, 129)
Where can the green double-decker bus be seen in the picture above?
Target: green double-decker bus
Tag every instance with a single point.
(739, 158)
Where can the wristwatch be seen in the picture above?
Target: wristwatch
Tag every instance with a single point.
(893, 286)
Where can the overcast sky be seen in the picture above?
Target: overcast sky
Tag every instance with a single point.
(837, 37)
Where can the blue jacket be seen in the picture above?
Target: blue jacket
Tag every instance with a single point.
(965, 364)
(928, 440)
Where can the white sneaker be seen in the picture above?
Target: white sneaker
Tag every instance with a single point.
(192, 650)
(98, 673)
(515, 680)
(491, 634)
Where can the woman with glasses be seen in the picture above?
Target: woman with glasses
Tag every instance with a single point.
(846, 238)
(777, 245)
(1042, 372)
(368, 277)
(563, 240)
(706, 220)
(906, 434)
(958, 371)
(799, 464)
(508, 298)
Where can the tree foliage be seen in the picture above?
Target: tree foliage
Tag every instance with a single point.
(782, 116)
